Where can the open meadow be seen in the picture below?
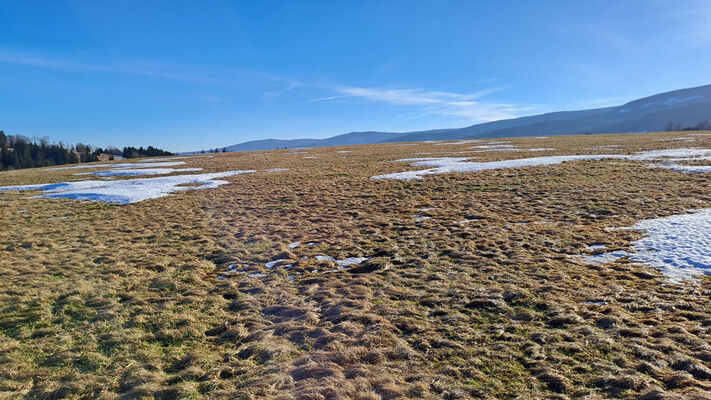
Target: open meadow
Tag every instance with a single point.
(340, 272)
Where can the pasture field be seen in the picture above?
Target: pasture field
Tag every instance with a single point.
(309, 279)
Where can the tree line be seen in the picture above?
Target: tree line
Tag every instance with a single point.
(701, 126)
(17, 151)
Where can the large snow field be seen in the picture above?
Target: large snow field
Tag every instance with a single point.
(129, 190)
(678, 245)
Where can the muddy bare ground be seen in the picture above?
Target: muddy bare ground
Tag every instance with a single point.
(475, 285)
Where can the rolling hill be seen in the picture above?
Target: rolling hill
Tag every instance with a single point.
(684, 107)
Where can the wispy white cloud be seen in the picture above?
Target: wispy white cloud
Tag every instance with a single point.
(136, 67)
(469, 106)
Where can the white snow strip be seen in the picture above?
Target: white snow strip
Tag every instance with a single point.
(683, 168)
(344, 262)
(293, 245)
(141, 171)
(467, 141)
(541, 149)
(344, 151)
(172, 158)
(596, 247)
(276, 169)
(459, 164)
(464, 221)
(494, 146)
(123, 165)
(128, 190)
(271, 264)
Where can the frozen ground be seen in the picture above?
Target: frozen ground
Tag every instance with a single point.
(129, 190)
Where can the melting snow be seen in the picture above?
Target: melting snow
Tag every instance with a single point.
(295, 244)
(123, 165)
(141, 171)
(272, 264)
(459, 164)
(494, 146)
(603, 258)
(129, 190)
(684, 168)
(679, 245)
(464, 221)
(467, 141)
(276, 169)
(171, 158)
(446, 165)
(343, 263)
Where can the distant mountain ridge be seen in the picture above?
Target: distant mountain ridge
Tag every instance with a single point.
(685, 107)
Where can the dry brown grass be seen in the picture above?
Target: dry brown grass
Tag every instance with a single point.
(125, 301)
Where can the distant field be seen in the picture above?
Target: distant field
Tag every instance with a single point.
(301, 276)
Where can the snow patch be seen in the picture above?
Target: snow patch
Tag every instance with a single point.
(459, 164)
(141, 171)
(345, 262)
(123, 165)
(129, 190)
(683, 168)
(172, 158)
(679, 245)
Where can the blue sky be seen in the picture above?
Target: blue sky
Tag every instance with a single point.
(187, 75)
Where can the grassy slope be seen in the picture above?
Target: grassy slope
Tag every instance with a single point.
(124, 301)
